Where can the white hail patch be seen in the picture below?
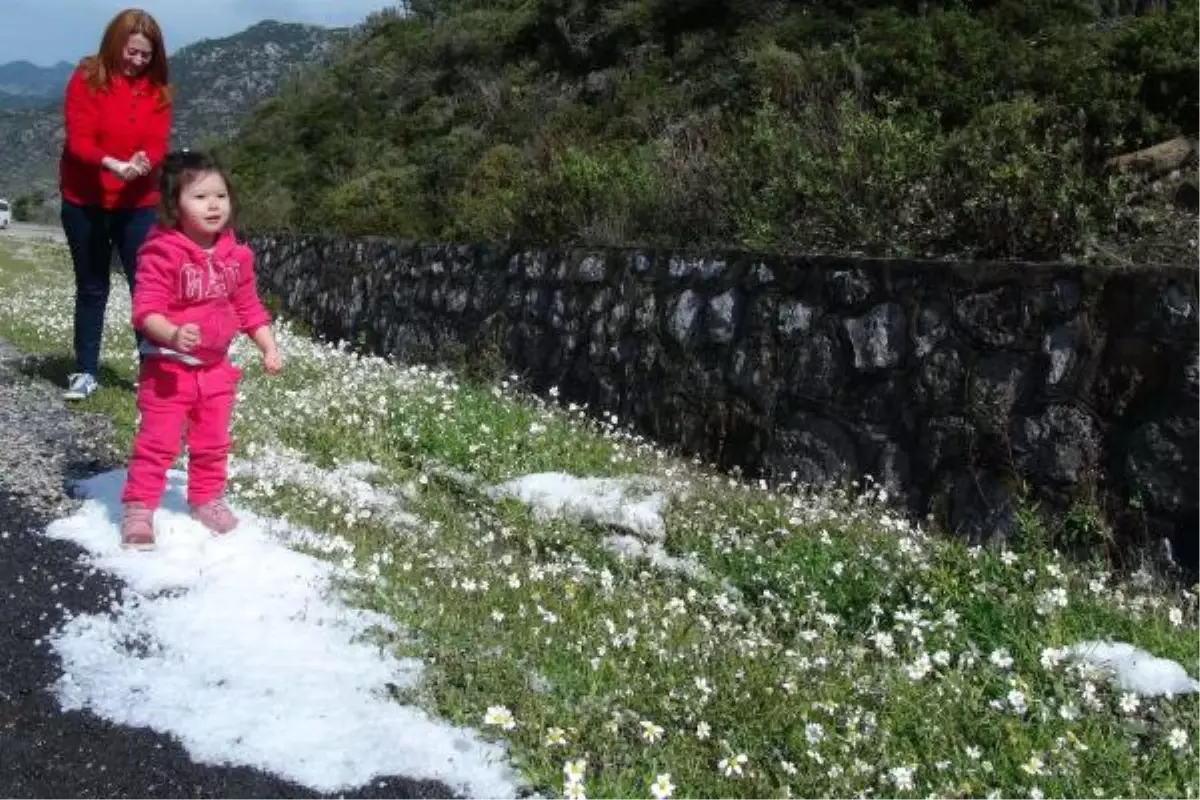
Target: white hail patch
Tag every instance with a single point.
(237, 647)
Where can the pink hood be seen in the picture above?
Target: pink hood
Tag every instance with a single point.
(215, 289)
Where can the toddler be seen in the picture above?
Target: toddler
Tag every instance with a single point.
(194, 291)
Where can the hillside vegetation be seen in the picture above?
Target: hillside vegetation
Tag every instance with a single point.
(931, 127)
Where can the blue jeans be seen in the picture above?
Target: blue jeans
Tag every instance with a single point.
(92, 233)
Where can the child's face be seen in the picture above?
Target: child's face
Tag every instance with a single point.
(204, 206)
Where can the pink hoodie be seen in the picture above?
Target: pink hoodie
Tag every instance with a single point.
(214, 289)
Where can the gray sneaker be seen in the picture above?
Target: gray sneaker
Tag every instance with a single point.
(80, 386)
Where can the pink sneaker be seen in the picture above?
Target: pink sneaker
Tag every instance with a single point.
(137, 527)
(215, 516)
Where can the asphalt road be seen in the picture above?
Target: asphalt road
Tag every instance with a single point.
(24, 230)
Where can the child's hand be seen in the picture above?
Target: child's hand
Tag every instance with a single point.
(141, 162)
(272, 362)
(186, 337)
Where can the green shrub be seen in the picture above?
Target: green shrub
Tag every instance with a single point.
(382, 200)
(1015, 184)
(491, 200)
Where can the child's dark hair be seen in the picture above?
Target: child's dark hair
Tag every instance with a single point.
(179, 169)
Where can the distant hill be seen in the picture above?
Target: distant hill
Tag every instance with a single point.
(217, 83)
(26, 85)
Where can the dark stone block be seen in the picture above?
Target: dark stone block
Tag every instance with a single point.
(879, 339)
(684, 268)
(1056, 302)
(721, 319)
(946, 443)
(930, 327)
(591, 269)
(993, 317)
(1133, 371)
(812, 451)
(814, 368)
(1059, 446)
(1160, 463)
(684, 315)
(982, 507)
(761, 275)
(1000, 382)
(850, 288)
(795, 319)
(939, 381)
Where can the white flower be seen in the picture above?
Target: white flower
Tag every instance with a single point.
(499, 715)
(1175, 616)
(1000, 658)
(574, 791)
(1033, 766)
(1069, 712)
(883, 642)
(1177, 739)
(1016, 699)
(1052, 599)
(650, 732)
(974, 753)
(662, 787)
(902, 777)
(573, 771)
(556, 737)
(703, 730)
(732, 766)
(1008, 558)
(1052, 657)
(813, 732)
(1129, 702)
(788, 767)
(919, 668)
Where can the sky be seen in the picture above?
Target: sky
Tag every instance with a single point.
(48, 31)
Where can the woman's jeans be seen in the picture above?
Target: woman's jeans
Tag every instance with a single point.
(92, 233)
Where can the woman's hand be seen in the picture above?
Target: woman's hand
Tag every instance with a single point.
(141, 161)
(125, 170)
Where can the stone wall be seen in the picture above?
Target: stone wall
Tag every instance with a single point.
(954, 384)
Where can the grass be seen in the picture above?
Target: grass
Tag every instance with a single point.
(836, 649)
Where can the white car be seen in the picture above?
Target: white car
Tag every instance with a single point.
(5, 214)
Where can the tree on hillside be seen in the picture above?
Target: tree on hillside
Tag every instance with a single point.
(27, 207)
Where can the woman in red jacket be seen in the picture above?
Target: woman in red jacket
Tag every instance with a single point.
(118, 122)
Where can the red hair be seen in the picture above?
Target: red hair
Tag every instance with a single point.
(100, 68)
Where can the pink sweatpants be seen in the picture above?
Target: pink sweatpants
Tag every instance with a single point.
(169, 395)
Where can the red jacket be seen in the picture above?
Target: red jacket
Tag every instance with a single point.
(186, 283)
(122, 118)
